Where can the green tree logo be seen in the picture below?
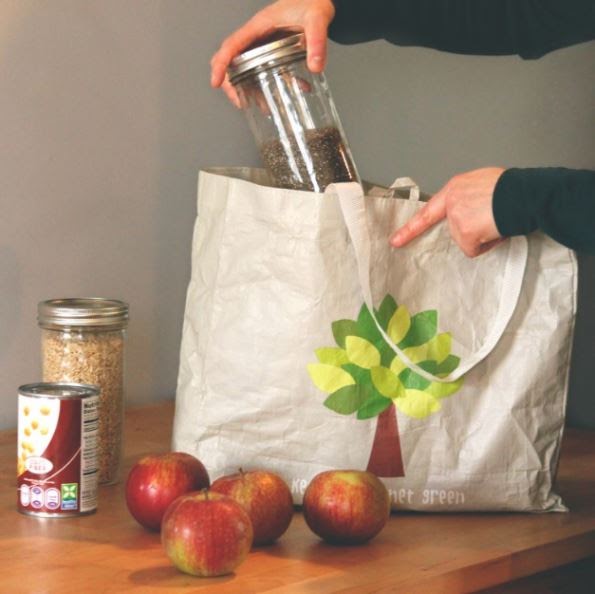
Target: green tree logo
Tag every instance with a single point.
(363, 375)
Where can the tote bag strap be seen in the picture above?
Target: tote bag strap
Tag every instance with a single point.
(405, 183)
(353, 208)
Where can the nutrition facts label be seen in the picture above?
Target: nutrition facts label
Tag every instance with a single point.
(89, 469)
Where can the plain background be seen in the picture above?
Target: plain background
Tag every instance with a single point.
(106, 115)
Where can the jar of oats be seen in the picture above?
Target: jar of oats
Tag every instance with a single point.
(82, 341)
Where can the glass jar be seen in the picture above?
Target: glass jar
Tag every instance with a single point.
(292, 115)
(82, 341)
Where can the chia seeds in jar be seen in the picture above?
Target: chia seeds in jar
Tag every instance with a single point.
(292, 115)
(82, 341)
(57, 449)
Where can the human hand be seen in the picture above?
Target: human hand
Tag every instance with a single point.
(466, 202)
(310, 16)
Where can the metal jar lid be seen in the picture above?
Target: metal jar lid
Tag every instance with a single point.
(83, 312)
(280, 48)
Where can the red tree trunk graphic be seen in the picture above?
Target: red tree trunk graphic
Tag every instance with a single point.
(385, 457)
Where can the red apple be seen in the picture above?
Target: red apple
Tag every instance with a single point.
(265, 496)
(156, 480)
(206, 534)
(346, 506)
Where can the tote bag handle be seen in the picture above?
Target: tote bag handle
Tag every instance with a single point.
(353, 207)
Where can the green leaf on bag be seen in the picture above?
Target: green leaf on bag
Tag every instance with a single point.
(360, 375)
(329, 378)
(448, 365)
(342, 329)
(367, 329)
(429, 366)
(386, 311)
(412, 380)
(386, 382)
(436, 349)
(361, 352)
(423, 328)
(363, 378)
(386, 354)
(373, 407)
(399, 324)
(417, 404)
(332, 356)
(346, 401)
(366, 325)
(442, 390)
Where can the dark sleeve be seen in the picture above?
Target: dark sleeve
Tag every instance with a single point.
(558, 201)
(529, 28)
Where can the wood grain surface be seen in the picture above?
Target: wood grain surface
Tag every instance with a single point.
(415, 553)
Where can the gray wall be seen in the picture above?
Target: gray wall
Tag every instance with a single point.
(106, 114)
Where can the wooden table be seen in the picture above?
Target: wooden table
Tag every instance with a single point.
(415, 553)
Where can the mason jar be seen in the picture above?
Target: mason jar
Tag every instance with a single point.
(82, 341)
(292, 115)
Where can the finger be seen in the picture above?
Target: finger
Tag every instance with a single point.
(472, 247)
(256, 27)
(231, 93)
(315, 30)
(219, 63)
(486, 247)
(433, 212)
(474, 236)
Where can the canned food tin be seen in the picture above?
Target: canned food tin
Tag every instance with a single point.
(57, 449)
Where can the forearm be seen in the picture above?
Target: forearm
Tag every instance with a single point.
(529, 28)
(558, 201)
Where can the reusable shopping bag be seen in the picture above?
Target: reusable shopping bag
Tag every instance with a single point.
(310, 344)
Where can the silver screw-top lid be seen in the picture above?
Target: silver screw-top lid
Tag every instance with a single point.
(86, 311)
(279, 48)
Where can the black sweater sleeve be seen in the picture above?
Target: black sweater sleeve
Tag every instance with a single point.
(529, 28)
(559, 201)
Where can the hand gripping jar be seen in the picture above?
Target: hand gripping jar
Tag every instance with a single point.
(82, 341)
(292, 115)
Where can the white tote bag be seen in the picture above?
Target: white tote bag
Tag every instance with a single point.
(310, 344)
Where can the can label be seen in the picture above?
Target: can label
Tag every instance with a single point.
(57, 455)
